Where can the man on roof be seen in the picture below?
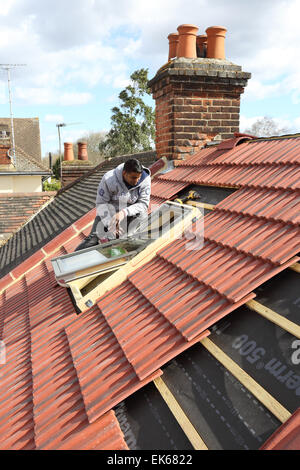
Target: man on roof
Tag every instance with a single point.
(123, 197)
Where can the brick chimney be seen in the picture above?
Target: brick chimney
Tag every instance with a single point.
(72, 169)
(197, 98)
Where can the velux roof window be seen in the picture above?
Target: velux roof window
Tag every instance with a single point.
(91, 272)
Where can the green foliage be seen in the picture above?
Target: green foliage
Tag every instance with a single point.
(54, 185)
(133, 121)
(56, 169)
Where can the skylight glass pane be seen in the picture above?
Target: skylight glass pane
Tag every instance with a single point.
(81, 261)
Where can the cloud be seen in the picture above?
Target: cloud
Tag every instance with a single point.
(73, 47)
(297, 124)
(50, 96)
(54, 118)
(259, 90)
(69, 99)
(3, 93)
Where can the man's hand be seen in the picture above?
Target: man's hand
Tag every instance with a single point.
(114, 225)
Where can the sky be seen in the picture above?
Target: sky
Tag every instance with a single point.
(79, 55)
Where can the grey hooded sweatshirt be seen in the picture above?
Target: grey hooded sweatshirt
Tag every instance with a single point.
(113, 195)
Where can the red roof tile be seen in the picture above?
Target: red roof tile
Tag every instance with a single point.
(42, 405)
(28, 264)
(287, 436)
(187, 303)
(282, 151)
(154, 203)
(272, 204)
(271, 241)
(277, 176)
(144, 333)
(64, 372)
(60, 240)
(5, 281)
(104, 374)
(85, 220)
(230, 273)
(166, 189)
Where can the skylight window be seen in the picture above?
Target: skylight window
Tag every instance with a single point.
(92, 271)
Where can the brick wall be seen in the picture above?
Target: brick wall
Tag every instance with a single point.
(4, 159)
(74, 170)
(196, 100)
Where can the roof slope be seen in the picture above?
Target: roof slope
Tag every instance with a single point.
(27, 163)
(59, 364)
(193, 288)
(69, 205)
(17, 208)
(42, 405)
(27, 135)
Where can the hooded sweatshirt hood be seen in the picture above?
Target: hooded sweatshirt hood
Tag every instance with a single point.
(119, 175)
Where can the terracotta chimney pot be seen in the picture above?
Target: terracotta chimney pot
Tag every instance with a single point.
(173, 43)
(187, 41)
(82, 151)
(201, 42)
(68, 151)
(216, 42)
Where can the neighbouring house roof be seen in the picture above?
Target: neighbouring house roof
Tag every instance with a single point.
(27, 135)
(25, 165)
(17, 208)
(69, 205)
(60, 365)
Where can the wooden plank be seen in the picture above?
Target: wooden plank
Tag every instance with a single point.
(140, 259)
(180, 415)
(274, 317)
(201, 205)
(281, 413)
(295, 267)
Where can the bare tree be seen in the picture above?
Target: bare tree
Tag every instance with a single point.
(93, 139)
(266, 127)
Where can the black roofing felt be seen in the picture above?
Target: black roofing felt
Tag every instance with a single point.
(69, 205)
(264, 351)
(148, 424)
(224, 413)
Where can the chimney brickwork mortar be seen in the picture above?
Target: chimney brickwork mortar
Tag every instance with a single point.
(196, 100)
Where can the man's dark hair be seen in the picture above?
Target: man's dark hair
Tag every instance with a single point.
(133, 166)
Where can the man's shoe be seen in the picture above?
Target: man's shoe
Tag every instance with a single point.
(90, 240)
